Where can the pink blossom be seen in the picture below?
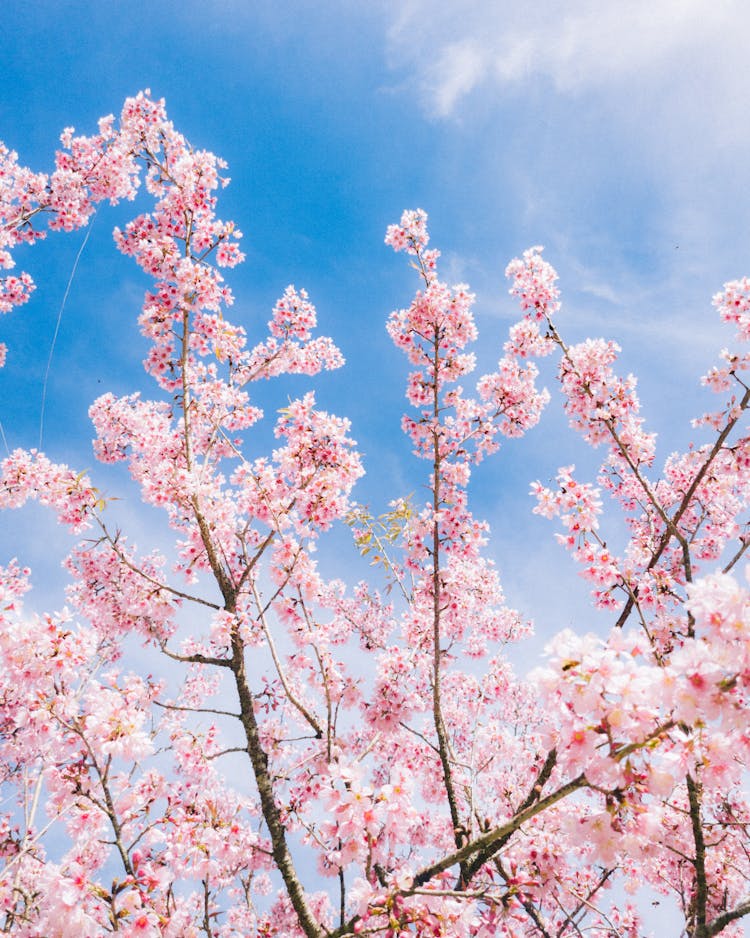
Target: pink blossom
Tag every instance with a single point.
(204, 726)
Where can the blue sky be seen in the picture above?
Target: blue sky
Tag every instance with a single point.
(616, 134)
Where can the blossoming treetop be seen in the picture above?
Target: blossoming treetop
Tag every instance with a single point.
(392, 747)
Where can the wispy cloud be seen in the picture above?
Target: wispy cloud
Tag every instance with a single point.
(672, 45)
(619, 126)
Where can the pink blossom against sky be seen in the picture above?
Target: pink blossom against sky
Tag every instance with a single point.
(617, 139)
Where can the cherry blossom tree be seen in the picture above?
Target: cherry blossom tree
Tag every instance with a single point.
(396, 776)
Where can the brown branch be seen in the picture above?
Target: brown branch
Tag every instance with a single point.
(499, 836)
(136, 569)
(196, 658)
(258, 554)
(223, 713)
(694, 790)
(225, 752)
(744, 544)
(698, 478)
(293, 699)
(583, 902)
(533, 796)
(271, 813)
(726, 918)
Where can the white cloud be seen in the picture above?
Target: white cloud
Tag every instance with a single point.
(577, 46)
(621, 125)
(461, 67)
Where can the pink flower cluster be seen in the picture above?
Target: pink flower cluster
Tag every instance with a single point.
(381, 735)
(733, 305)
(28, 475)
